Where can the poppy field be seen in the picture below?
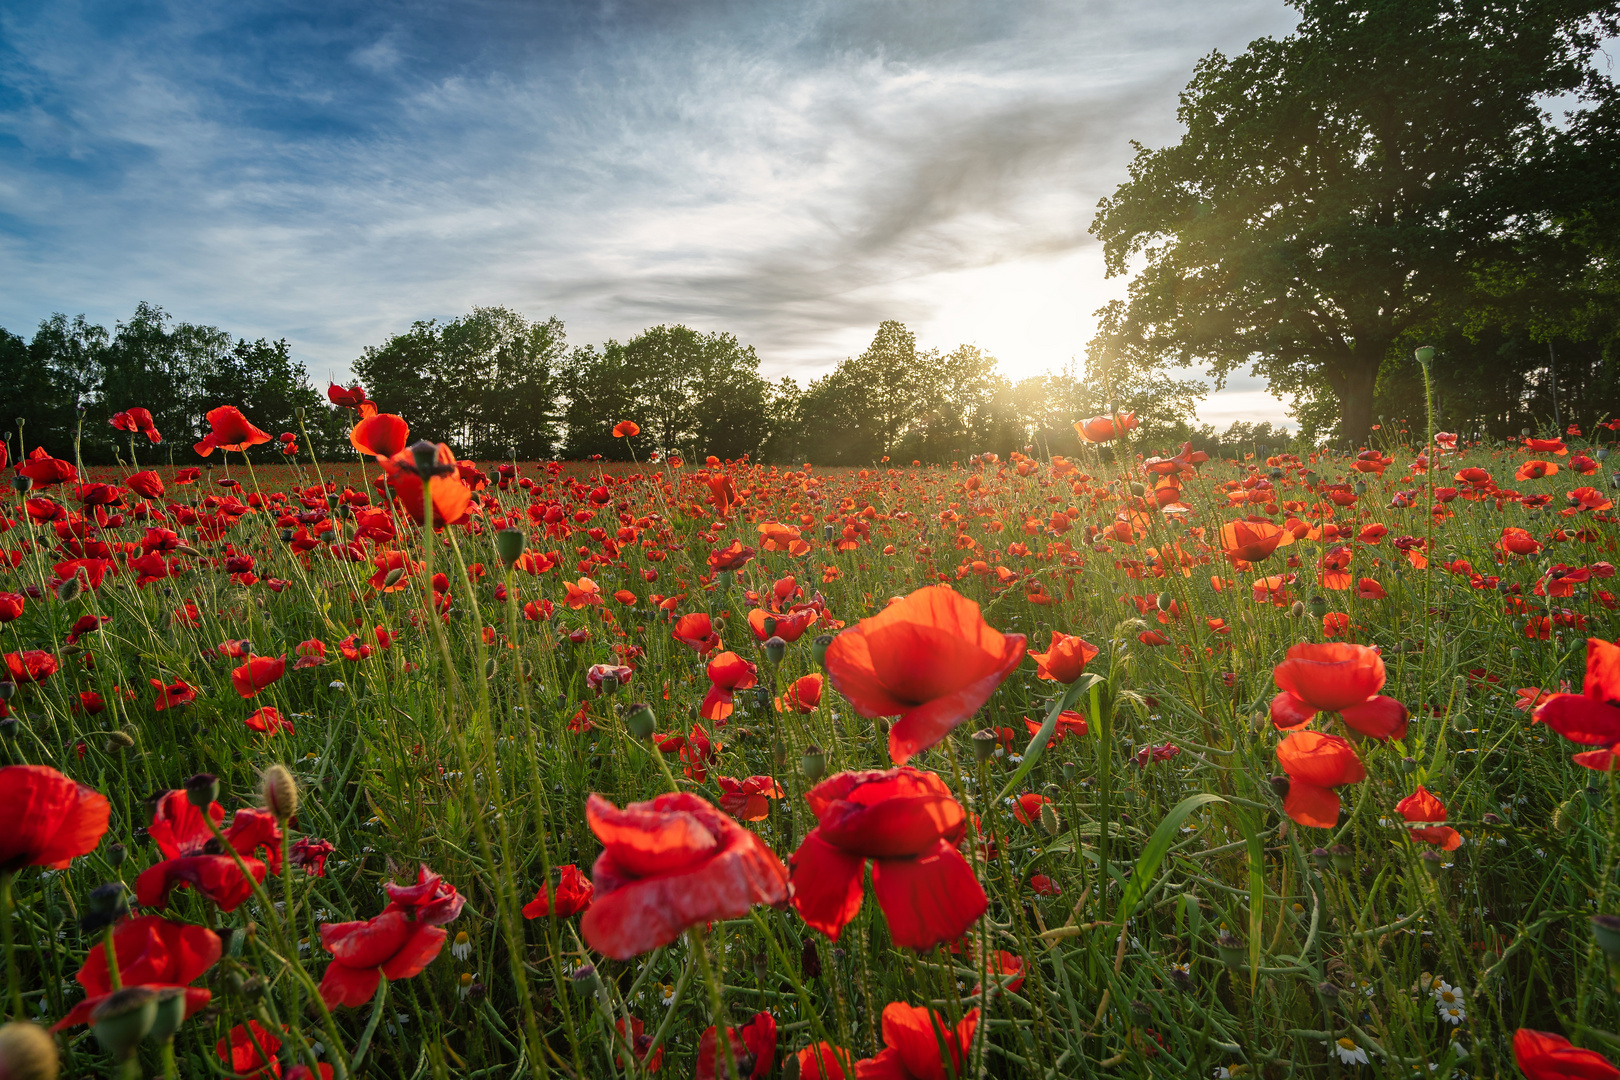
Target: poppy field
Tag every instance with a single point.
(1132, 764)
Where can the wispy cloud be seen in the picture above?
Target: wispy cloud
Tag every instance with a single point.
(792, 173)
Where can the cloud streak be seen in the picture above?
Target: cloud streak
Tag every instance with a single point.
(791, 173)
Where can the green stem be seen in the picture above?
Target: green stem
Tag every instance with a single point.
(377, 1003)
(11, 949)
(700, 944)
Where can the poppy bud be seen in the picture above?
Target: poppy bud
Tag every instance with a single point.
(392, 577)
(1606, 932)
(775, 649)
(202, 790)
(770, 626)
(1298, 610)
(490, 667)
(1049, 819)
(1165, 601)
(116, 854)
(1433, 863)
(70, 589)
(279, 792)
(189, 551)
(790, 1068)
(1137, 489)
(818, 649)
(813, 763)
(1280, 785)
(108, 903)
(123, 1018)
(1230, 948)
(117, 741)
(1344, 860)
(509, 544)
(984, 745)
(1068, 771)
(27, 1052)
(171, 1013)
(7, 688)
(828, 532)
(725, 579)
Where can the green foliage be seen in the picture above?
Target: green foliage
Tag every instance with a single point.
(1349, 185)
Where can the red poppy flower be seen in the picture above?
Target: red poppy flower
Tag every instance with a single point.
(346, 397)
(789, 626)
(136, 419)
(732, 557)
(572, 894)
(1316, 764)
(906, 821)
(1044, 886)
(1103, 428)
(268, 720)
(640, 1042)
(151, 951)
(310, 854)
(52, 819)
(929, 658)
(258, 673)
(1027, 808)
(669, 864)
(1517, 541)
(148, 484)
(802, 695)
(171, 696)
(748, 800)
(1591, 717)
(250, 1051)
(1339, 678)
(1542, 1055)
(696, 631)
(727, 672)
(382, 435)
(753, 1048)
(913, 1039)
(230, 430)
(11, 606)
(1546, 446)
(86, 624)
(46, 471)
(184, 838)
(1252, 541)
(824, 1061)
(30, 665)
(1422, 806)
(1064, 659)
(391, 944)
(1535, 470)
(625, 429)
(452, 499)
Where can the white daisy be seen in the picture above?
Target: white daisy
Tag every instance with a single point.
(461, 948)
(1349, 1053)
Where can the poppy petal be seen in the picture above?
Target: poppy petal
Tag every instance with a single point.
(1378, 717)
(827, 884)
(932, 898)
(1310, 805)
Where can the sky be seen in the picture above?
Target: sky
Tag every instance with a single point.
(791, 173)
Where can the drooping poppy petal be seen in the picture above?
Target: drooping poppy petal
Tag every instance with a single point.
(1308, 804)
(928, 899)
(50, 819)
(1543, 1055)
(827, 884)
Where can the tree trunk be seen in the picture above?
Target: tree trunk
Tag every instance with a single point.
(1356, 398)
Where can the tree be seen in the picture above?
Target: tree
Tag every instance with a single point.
(1335, 191)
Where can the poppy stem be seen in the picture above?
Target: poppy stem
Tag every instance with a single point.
(11, 948)
(377, 1003)
(700, 944)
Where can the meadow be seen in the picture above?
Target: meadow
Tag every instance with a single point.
(1283, 765)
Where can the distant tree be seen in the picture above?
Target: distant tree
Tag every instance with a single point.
(1336, 190)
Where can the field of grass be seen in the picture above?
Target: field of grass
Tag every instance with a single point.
(1130, 870)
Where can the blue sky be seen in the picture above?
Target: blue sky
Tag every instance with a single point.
(792, 173)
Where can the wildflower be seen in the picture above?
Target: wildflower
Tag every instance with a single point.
(229, 430)
(1542, 1055)
(461, 947)
(1339, 678)
(1065, 659)
(391, 944)
(916, 1041)
(1422, 806)
(696, 631)
(153, 952)
(572, 895)
(51, 820)
(748, 800)
(930, 658)
(185, 841)
(802, 695)
(727, 672)
(1348, 1052)
(1316, 764)
(668, 864)
(258, 673)
(753, 1047)
(907, 823)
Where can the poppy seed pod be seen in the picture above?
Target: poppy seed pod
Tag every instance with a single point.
(818, 649)
(775, 649)
(279, 792)
(123, 1018)
(171, 1013)
(1230, 948)
(27, 1052)
(1344, 860)
(1409, 765)
(1424, 354)
(1606, 932)
(1281, 785)
(813, 763)
(509, 544)
(640, 720)
(21, 483)
(7, 688)
(1321, 858)
(1434, 864)
(585, 982)
(984, 745)
(202, 790)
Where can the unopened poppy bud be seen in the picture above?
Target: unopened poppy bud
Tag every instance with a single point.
(7, 688)
(1298, 609)
(818, 649)
(775, 649)
(984, 745)
(1606, 932)
(1230, 948)
(1049, 819)
(509, 544)
(171, 1013)
(1280, 784)
(123, 1018)
(1166, 601)
(70, 589)
(27, 1052)
(828, 532)
(202, 790)
(118, 741)
(790, 1068)
(813, 763)
(1141, 1009)
(770, 626)
(392, 577)
(190, 552)
(490, 668)
(279, 791)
